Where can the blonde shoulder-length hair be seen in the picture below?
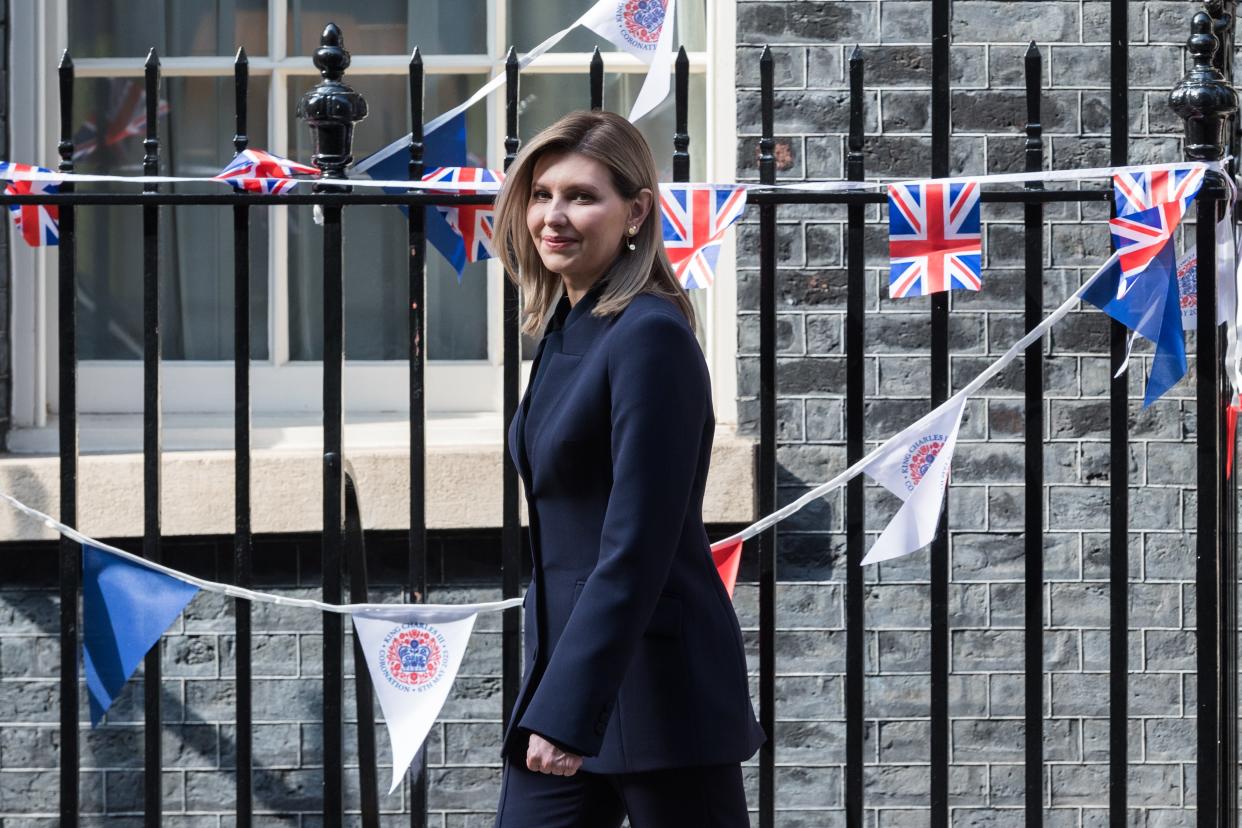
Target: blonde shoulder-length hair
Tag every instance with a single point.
(614, 142)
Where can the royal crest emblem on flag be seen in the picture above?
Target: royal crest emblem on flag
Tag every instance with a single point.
(640, 21)
(1150, 204)
(934, 240)
(475, 223)
(694, 218)
(38, 224)
(1188, 289)
(919, 458)
(413, 656)
(256, 171)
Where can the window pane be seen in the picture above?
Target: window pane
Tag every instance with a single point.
(532, 21)
(383, 27)
(111, 28)
(196, 243)
(376, 244)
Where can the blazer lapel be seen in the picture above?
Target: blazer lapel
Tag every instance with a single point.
(558, 371)
(579, 333)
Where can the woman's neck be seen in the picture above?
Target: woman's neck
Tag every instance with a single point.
(575, 289)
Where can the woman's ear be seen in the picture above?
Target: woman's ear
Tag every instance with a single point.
(640, 207)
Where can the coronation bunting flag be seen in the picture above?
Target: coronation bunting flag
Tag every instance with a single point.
(637, 27)
(38, 224)
(444, 146)
(1231, 432)
(727, 556)
(694, 218)
(473, 222)
(126, 607)
(413, 656)
(256, 171)
(1150, 204)
(1141, 290)
(916, 469)
(934, 240)
(1188, 289)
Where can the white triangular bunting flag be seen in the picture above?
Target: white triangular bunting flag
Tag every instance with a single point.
(645, 30)
(916, 469)
(413, 656)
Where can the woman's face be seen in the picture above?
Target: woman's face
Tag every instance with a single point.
(576, 217)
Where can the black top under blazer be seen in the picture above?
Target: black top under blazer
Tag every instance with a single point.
(634, 657)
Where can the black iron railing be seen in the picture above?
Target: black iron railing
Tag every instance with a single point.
(1203, 99)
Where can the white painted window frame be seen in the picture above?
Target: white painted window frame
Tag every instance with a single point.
(39, 34)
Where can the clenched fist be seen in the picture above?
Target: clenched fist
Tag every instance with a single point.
(544, 757)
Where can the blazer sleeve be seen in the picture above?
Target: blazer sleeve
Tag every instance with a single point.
(659, 408)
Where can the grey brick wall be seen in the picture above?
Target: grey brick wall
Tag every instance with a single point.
(811, 43)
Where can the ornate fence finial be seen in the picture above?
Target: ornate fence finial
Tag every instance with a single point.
(331, 108)
(1202, 98)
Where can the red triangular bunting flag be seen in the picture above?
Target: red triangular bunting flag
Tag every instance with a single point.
(727, 555)
(1231, 432)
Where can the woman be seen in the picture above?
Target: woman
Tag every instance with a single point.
(635, 699)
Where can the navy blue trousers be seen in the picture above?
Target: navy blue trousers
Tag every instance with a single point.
(701, 797)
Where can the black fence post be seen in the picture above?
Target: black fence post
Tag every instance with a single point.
(766, 485)
(70, 551)
(511, 537)
(331, 109)
(1204, 100)
(241, 452)
(1119, 455)
(597, 80)
(1033, 472)
(417, 237)
(938, 554)
(152, 427)
(855, 444)
(681, 129)
(1224, 20)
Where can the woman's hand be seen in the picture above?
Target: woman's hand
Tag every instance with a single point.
(544, 757)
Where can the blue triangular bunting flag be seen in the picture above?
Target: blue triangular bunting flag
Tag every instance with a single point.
(442, 147)
(1150, 307)
(126, 607)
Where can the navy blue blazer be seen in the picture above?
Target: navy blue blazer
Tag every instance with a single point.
(634, 657)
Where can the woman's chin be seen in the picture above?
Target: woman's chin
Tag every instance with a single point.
(558, 262)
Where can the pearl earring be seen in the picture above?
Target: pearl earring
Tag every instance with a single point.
(630, 244)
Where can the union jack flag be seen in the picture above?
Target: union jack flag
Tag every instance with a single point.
(694, 218)
(1142, 189)
(1150, 204)
(38, 224)
(934, 242)
(473, 222)
(256, 171)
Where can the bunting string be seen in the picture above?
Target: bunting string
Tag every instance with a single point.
(485, 187)
(431, 612)
(956, 400)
